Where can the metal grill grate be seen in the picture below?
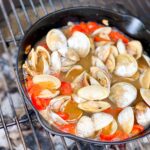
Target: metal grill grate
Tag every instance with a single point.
(11, 39)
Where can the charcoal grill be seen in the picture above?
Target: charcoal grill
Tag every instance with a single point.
(12, 37)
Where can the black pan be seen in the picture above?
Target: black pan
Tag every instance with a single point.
(127, 24)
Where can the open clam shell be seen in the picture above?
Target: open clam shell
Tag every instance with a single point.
(93, 92)
(110, 63)
(123, 94)
(56, 40)
(126, 65)
(94, 106)
(53, 82)
(126, 119)
(80, 43)
(121, 47)
(73, 55)
(145, 93)
(85, 127)
(78, 99)
(142, 112)
(135, 48)
(103, 30)
(144, 79)
(101, 120)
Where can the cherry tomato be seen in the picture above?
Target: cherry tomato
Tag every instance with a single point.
(115, 36)
(44, 45)
(66, 88)
(63, 115)
(35, 89)
(137, 129)
(92, 26)
(29, 83)
(113, 112)
(76, 28)
(98, 39)
(68, 128)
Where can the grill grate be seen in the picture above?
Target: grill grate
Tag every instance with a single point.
(14, 38)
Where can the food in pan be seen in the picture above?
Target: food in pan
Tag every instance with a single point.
(90, 80)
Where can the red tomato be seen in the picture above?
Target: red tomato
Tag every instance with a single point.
(76, 28)
(98, 39)
(29, 83)
(35, 89)
(65, 88)
(63, 115)
(44, 45)
(113, 112)
(137, 129)
(39, 103)
(115, 36)
(68, 128)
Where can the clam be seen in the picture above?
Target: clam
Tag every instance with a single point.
(121, 47)
(43, 66)
(110, 63)
(114, 51)
(78, 99)
(147, 59)
(28, 69)
(103, 52)
(93, 92)
(145, 93)
(111, 128)
(101, 120)
(144, 79)
(142, 112)
(123, 94)
(103, 30)
(56, 102)
(65, 69)
(101, 76)
(54, 118)
(67, 62)
(41, 51)
(135, 48)
(56, 40)
(56, 61)
(94, 106)
(50, 81)
(126, 119)
(48, 94)
(126, 65)
(85, 127)
(32, 58)
(80, 43)
(74, 71)
(72, 55)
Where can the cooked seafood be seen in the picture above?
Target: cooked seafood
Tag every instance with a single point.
(90, 80)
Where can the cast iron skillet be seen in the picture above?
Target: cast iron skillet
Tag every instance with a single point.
(60, 18)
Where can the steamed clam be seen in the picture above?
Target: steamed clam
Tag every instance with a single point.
(145, 93)
(123, 94)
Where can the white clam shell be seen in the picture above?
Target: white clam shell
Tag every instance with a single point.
(78, 99)
(126, 65)
(80, 43)
(32, 58)
(56, 40)
(145, 93)
(123, 94)
(73, 55)
(48, 94)
(142, 112)
(103, 30)
(56, 102)
(47, 78)
(135, 48)
(94, 106)
(46, 67)
(126, 119)
(114, 50)
(85, 127)
(101, 120)
(93, 92)
(56, 61)
(67, 62)
(144, 79)
(147, 59)
(110, 63)
(121, 47)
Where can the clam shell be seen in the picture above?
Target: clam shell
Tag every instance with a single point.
(85, 127)
(56, 61)
(103, 30)
(56, 40)
(110, 63)
(111, 128)
(147, 59)
(93, 92)
(126, 119)
(48, 94)
(67, 62)
(114, 50)
(72, 55)
(126, 65)
(142, 112)
(145, 93)
(32, 58)
(144, 79)
(101, 120)
(80, 43)
(55, 82)
(94, 106)
(78, 99)
(56, 102)
(123, 94)
(121, 47)
(135, 48)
